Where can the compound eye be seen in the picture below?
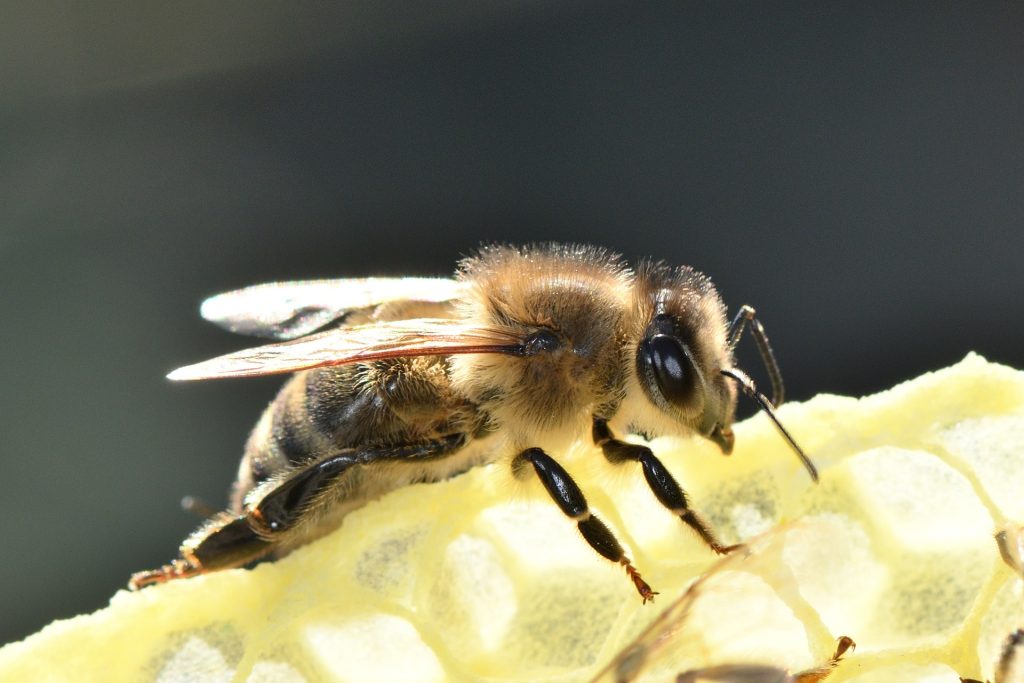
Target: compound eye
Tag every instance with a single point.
(664, 358)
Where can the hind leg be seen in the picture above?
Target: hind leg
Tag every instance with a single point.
(231, 540)
(224, 542)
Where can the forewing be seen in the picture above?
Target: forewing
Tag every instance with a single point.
(288, 310)
(744, 620)
(344, 345)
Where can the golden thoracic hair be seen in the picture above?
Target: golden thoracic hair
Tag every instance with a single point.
(511, 282)
(581, 294)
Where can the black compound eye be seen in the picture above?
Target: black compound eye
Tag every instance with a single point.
(663, 358)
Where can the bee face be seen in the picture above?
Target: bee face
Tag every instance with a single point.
(681, 350)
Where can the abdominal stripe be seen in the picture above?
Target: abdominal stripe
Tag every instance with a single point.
(291, 440)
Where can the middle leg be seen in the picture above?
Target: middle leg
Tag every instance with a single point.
(661, 481)
(567, 495)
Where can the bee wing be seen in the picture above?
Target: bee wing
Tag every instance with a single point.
(742, 621)
(288, 310)
(344, 345)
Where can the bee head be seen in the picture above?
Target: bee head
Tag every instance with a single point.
(678, 379)
(684, 361)
(681, 351)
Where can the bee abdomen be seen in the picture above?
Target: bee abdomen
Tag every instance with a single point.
(318, 412)
(292, 440)
(283, 438)
(341, 408)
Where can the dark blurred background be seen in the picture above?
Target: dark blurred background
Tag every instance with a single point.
(854, 171)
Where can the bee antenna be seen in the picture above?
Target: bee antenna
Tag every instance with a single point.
(750, 390)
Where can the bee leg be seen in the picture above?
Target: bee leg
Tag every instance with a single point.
(736, 673)
(818, 674)
(283, 505)
(229, 540)
(224, 542)
(564, 491)
(749, 673)
(287, 502)
(661, 481)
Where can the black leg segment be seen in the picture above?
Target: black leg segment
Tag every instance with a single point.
(562, 489)
(600, 538)
(225, 541)
(567, 495)
(229, 539)
(284, 504)
(666, 489)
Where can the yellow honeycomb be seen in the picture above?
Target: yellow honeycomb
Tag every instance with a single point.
(481, 578)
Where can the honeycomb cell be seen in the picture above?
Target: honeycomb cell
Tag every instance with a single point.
(991, 447)
(196, 659)
(473, 600)
(839, 574)
(274, 672)
(924, 503)
(1005, 616)
(374, 649)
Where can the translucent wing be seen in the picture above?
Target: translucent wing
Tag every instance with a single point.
(288, 310)
(420, 337)
(744, 621)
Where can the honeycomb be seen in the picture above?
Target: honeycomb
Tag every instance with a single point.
(481, 578)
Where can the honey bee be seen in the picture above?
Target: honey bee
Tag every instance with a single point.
(740, 610)
(408, 380)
